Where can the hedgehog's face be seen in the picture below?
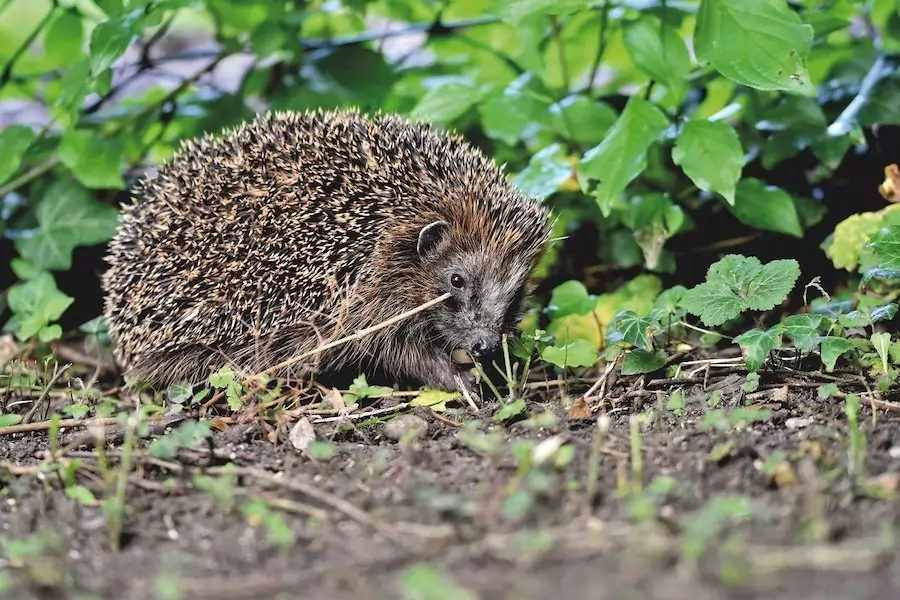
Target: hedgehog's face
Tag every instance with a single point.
(486, 293)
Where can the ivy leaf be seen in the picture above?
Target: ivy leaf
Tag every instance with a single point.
(737, 283)
(110, 38)
(832, 348)
(756, 345)
(35, 305)
(886, 246)
(766, 207)
(546, 171)
(68, 216)
(803, 330)
(710, 154)
(579, 353)
(638, 362)
(632, 329)
(657, 50)
(14, 141)
(758, 43)
(95, 162)
(446, 102)
(622, 155)
(64, 38)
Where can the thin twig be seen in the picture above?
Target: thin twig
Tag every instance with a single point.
(354, 336)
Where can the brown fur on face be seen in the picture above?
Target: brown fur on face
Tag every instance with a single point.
(296, 229)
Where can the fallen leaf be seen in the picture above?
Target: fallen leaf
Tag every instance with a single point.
(302, 434)
(337, 401)
(579, 409)
(890, 188)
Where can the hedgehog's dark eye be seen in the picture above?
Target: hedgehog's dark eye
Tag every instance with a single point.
(457, 281)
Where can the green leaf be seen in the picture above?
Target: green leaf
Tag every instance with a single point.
(546, 171)
(361, 389)
(82, 495)
(803, 330)
(758, 43)
(882, 344)
(580, 353)
(657, 50)
(435, 399)
(510, 409)
(850, 238)
(756, 345)
(35, 304)
(422, 582)
(632, 329)
(570, 298)
(518, 112)
(516, 11)
(737, 283)
(766, 207)
(639, 361)
(14, 141)
(832, 348)
(446, 102)
(95, 162)
(110, 39)
(64, 39)
(710, 154)
(68, 216)
(622, 156)
(581, 119)
(8, 419)
(886, 246)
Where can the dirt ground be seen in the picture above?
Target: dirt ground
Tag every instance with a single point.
(769, 506)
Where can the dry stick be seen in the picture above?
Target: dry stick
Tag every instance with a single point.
(354, 336)
(63, 424)
(602, 380)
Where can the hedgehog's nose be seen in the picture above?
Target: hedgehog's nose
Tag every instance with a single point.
(480, 347)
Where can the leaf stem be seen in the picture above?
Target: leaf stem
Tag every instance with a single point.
(563, 66)
(601, 46)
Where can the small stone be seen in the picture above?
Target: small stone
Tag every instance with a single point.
(399, 427)
(798, 422)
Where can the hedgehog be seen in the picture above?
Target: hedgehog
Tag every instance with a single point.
(293, 230)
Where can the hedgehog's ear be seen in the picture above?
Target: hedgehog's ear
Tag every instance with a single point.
(430, 238)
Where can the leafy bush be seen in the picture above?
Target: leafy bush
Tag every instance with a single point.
(637, 119)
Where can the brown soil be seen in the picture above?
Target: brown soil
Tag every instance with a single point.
(364, 517)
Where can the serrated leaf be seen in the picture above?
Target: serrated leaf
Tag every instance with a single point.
(14, 141)
(35, 304)
(832, 349)
(546, 171)
(606, 169)
(95, 162)
(570, 298)
(757, 43)
(737, 283)
(657, 50)
(579, 353)
(756, 345)
(64, 38)
(361, 389)
(68, 216)
(634, 329)
(886, 246)
(766, 207)
(803, 330)
(638, 362)
(446, 102)
(711, 155)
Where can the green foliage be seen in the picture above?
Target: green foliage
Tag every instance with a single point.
(738, 283)
(597, 109)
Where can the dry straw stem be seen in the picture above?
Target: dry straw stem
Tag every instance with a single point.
(352, 337)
